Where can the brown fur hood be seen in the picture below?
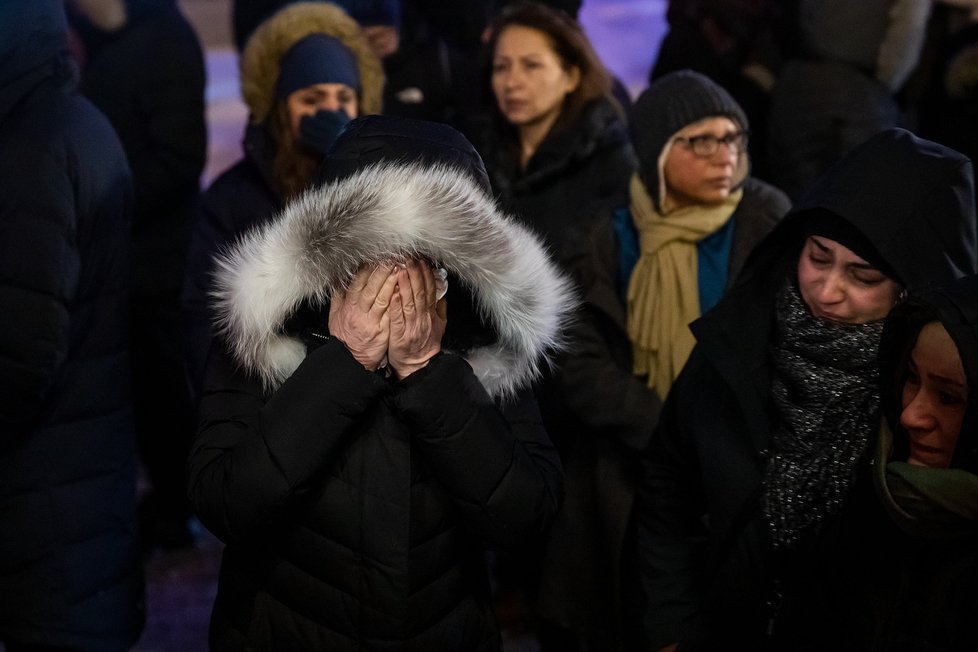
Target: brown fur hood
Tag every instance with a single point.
(273, 38)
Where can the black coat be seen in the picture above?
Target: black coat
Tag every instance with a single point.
(706, 567)
(148, 79)
(356, 510)
(570, 179)
(370, 528)
(882, 579)
(70, 569)
(242, 197)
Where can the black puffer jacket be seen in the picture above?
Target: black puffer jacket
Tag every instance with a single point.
(572, 176)
(913, 200)
(69, 565)
(241, 198)
(356, 509)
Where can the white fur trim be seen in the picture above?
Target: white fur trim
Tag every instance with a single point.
(316, 244)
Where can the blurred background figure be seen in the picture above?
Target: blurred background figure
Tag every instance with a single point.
(735, 43)
(142, 65)
(695, 214)
(70, 568)
(429, 51)
(558, 151)
(945, 86)
(305, 73)
(840, 81)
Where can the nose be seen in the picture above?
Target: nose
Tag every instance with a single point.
(512, 78)
(329, 103)
(917, 413)
(832, 289)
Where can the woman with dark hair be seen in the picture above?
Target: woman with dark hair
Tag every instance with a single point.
(771, 421)
(305, 72)
(926, 476)
(560, 150)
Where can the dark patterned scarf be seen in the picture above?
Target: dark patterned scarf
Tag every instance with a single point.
(826, 389)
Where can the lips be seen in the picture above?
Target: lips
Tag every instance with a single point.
(722, 183)
(828, 316)
(923, 448)
(513, 106)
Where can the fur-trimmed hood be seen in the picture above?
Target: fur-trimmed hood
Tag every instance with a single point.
(384, 212)
(264, 50)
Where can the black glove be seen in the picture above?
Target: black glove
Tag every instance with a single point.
(318, 131)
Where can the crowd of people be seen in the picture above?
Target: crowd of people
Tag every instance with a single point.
(468, 326)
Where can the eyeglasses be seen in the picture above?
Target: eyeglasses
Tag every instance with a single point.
(708, 144)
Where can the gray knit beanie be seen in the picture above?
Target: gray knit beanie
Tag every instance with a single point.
(666, 106)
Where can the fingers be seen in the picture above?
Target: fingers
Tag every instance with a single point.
(360, 279)
(397, 298)
(422, 284)
(382, 299)
(405, 294)
(374, 287)
(369, 284)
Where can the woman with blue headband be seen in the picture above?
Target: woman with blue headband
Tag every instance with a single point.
(305, 72)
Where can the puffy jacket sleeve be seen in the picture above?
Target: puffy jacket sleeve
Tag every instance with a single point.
(256, 454)
(496, 461)
(39, 274)
(670, 516)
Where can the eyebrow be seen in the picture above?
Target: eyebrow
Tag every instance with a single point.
(948, 381)
(827, 250)
(726, 132)
(942, 380)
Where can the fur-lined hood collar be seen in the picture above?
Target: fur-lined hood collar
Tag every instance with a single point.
(381, 213)
(264, 50)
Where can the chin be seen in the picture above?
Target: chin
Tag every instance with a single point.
(927, 458)
(715, 198)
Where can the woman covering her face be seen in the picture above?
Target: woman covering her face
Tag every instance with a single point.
(771, 421)
(367, 430)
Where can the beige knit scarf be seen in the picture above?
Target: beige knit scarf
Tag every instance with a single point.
(663, 295)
